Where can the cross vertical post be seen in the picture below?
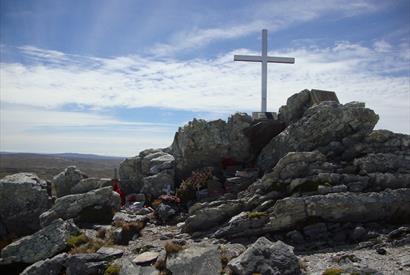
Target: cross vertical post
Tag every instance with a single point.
(264, 59)
(264, 62)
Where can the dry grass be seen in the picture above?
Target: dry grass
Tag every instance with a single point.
(91, 246)
(333, 271)
(101, 233)
(112, 269)
(171, 247)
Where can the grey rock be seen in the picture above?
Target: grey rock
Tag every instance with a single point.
(93, 206)
(129, 217)
(129, 268)
(43, 244)
(165, 212)
(320, 126)
(359, 233)
(230, 251)
(62, 183)
(110, 252)
(244, 224)
(200, 143)
(201, 259)
(342, 207)
(89, 184)
(295, 106)
(51, 266)
(295, 237)
(205, 216)
(86, 263)
(148, 163)
(23, 197)
(383, 163)
(155, 185)
(266, 257)
(315, 232)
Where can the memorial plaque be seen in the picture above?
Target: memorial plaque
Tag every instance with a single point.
(317, 96)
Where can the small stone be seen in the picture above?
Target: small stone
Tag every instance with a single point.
(358, 233)
(381, 251)
(145, 257)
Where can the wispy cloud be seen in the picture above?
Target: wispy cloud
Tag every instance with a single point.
(274, 15)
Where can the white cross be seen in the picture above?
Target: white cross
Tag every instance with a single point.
(265, 59)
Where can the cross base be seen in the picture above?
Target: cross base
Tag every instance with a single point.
(264, 115)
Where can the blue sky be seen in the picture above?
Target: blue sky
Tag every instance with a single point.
(116, 77)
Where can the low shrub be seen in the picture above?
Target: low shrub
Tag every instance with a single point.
(333, 271)
(112, 269)
(171, 247)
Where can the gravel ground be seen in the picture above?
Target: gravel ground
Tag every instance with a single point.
(395, 261)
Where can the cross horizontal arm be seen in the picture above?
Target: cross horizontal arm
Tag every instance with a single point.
(273, 59)
(252, 58)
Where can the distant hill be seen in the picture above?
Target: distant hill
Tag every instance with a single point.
(48, 165)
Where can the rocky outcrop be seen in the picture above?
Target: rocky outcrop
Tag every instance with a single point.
(149, 172)
(62, 183)
(88, 184)
(266, 257)
(23, 197)
(207, 215)
(327, 127)
(198, 259)
(200, 143)
(43, 244)
(389, 205)
(83, 263)
(93, 206)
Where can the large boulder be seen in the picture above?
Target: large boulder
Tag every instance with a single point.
(389, 205)
(200, 143)
(23, 197)
(207, 215)
(43, 244)
(154, 186)
(62, 183)
(94, 206)
(298, 103)
(268, 258)
(322, 127)
(150, 166)
(89, 184)
(202, 259)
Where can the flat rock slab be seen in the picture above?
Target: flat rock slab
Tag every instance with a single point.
(145, 257)
(199, 260)
(110, 251)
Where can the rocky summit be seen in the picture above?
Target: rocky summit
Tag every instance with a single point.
(312, 190)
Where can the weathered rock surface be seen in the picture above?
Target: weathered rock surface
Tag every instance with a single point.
(155, 185)
(149, 172)
(207, 215)
(200, 143)
(62, 183)
(266, 257)
(43, 244)
(389, 205)
(93, 206)
(297, 104)
(23, 197)
(83, 263)
(89, 184)
(202, 259)
(323, 127)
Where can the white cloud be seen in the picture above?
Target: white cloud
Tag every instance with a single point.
(273, 15)
(30, 129)
(218, 86)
